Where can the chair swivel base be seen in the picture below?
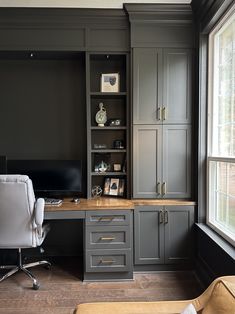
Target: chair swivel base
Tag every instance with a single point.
(24, 268)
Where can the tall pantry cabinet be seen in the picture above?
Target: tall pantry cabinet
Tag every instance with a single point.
(162, 45)
(162, 122)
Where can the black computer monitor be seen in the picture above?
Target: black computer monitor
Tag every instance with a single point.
(3, 164)
(50, 177)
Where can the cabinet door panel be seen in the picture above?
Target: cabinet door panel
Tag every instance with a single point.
(146, 161)
(177, 161)
(178, 234)
(177, 85)
(147, 85)
(149, 244)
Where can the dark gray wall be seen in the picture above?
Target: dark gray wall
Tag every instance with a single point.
(42, 109)
(215, 257)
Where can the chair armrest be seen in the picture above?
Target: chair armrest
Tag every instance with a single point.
(39, 212)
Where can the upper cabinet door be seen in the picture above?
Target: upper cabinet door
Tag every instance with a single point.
(162, 86)
(147, 85)
(177, 86)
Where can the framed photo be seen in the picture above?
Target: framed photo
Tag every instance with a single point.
(110, 83)
(114, 187)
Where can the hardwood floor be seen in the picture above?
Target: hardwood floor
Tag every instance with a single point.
(62, 289)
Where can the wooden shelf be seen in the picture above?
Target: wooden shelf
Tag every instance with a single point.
(101, 94)
(108, 127)
(117, 173)
(108, 150)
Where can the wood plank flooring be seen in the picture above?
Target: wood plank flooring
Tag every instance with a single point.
(62, 289)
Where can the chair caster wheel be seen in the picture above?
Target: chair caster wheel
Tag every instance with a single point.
(48, 267)
(36, 286)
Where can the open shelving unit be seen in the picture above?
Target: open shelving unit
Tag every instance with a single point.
(101, 140)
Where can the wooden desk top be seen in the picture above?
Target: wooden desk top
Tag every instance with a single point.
(163, 202)
(112, 203)
(92, 204)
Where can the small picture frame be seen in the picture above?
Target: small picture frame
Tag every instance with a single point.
(114, 187)
(110, 83)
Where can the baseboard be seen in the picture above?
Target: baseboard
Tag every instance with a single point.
(204, 272)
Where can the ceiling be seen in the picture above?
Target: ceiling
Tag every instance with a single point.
(107, 4)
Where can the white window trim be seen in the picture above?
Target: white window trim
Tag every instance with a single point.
(217, 29)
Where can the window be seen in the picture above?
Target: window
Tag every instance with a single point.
(221, 128)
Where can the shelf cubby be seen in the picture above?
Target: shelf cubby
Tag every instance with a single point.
(102, 140)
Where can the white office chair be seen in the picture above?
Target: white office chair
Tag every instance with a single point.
(21, 219)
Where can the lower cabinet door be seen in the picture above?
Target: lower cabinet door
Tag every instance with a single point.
(178, 225)
(108, 260)
(148, 235)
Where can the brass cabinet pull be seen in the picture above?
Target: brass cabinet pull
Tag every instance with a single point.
(109, 218)
(161, 216)
(107, 238)
(165, 217)
(108, 261)
(158, 188)
(159, 113)
(164, 113)
(164, 188)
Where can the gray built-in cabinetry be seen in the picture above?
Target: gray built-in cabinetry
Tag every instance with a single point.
(162, 102)
(162, 43)
(163, 234)
(101, 139)
(108, 245)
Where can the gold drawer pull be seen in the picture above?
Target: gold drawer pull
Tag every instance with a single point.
(159, 114)
(164, 188)
(161, 216)
(158, 188)
(166, 217)
(164, 113)
(109, 218)
(107, 238)
(108, 261)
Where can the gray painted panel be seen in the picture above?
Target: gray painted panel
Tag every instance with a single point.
(109, 38)
(42, 39)
(147, 89)
(146, 161)
(177, 96)
(107, 237)
(148, 231)
(177, 160)
(161, 35)
(178, 233)
(64, 214)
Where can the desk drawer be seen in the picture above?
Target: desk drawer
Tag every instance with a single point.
(108, 217)
(108, 237)
(108, 261)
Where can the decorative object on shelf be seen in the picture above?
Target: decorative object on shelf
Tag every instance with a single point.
(101, 162)
(114, 122)
(100, 146)
(96, 191)
(114, 186)
(118, 144)
(101, 115)
(117, 167)
(103, 167)
(110, 83)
